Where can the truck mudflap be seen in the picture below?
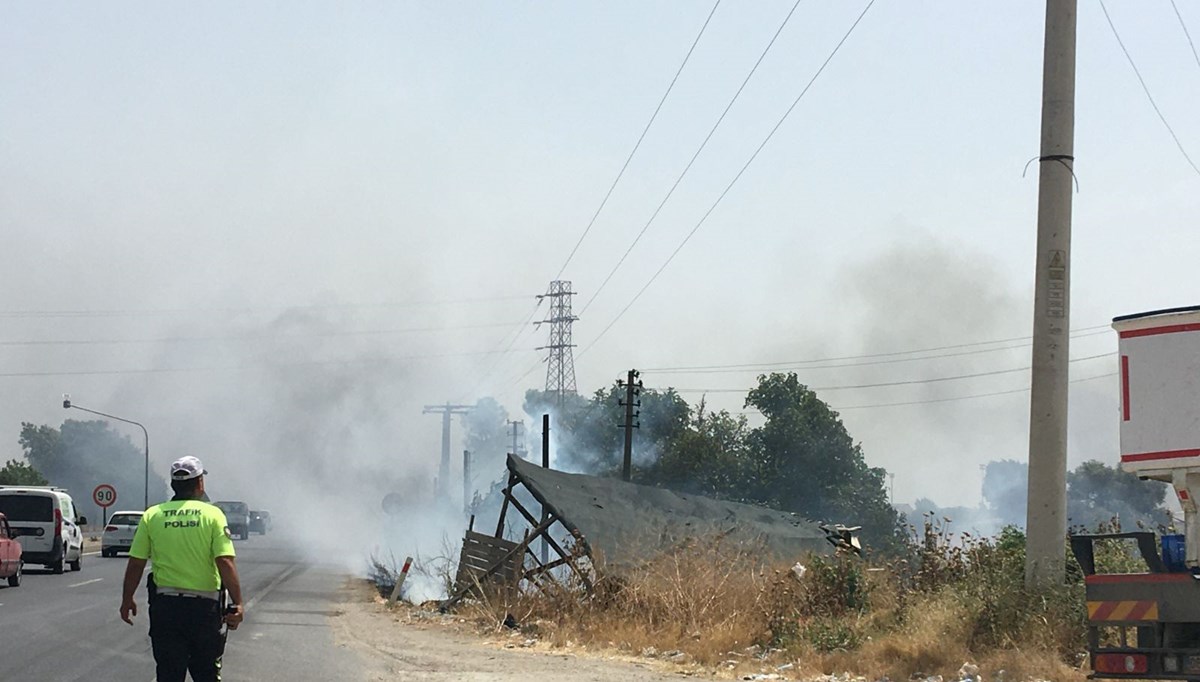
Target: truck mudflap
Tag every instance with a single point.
(1140, 625)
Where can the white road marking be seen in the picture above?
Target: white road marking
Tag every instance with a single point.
(86, 582)
(274, 583)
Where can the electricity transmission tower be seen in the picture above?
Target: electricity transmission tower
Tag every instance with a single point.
(560, 365)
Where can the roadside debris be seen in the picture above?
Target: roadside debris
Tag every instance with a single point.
(969, 672)
(799, 570)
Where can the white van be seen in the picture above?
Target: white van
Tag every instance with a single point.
(43, 520)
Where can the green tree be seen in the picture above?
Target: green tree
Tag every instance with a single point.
(487, 438)
(82, 454)
(1005, 491)
(21, 473)
(708, 457)
(1098, 493)
(803, 460)
(586, 433)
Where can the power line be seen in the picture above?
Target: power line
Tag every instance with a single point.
(962, 397)
(240, 368)
(148, 312)
(891, 357)
(604, 202)
(688, 167)
(508, 344)
(732, 182)
(1186, 33)
(1146, 89)
(245, 337)
(638, 144)
(907, 382)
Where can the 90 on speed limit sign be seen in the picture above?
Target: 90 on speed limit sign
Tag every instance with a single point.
(104, 495)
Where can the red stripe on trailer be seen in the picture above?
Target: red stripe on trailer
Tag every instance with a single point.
(1155, 331)
(1165, 454)
(1126, 578)
(1125, 387)
(1141, 609)
(1103, 610)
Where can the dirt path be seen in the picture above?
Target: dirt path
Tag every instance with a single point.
(411, 648)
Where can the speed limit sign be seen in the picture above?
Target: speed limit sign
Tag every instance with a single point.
(104, 495)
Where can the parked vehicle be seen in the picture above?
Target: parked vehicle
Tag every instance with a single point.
(1147, 625)
(11, 563)
(118, 534)
(237, 516)
(43, 520)
(260, 522)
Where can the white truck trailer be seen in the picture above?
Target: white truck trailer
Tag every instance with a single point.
(1147, 625)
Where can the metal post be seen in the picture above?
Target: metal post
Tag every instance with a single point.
(467, 481)
(545, 465)
(67, 404)
(146, 489)
(1046, 520)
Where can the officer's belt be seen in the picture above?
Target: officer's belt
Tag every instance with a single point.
(194, 594)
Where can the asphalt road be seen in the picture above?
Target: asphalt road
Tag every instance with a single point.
(66, 627)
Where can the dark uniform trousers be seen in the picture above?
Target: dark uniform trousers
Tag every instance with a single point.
(186, 635)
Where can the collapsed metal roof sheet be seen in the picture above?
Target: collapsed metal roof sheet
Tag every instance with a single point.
(626, 523)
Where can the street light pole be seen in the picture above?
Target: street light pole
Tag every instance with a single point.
(67, 404)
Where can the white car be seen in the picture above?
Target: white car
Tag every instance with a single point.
(44, 522)
(118, 534)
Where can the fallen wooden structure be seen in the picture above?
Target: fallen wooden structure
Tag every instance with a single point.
(616, 525)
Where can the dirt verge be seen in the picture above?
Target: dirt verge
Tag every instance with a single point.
(423, 645)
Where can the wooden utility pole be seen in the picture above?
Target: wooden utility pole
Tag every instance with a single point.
(1046, 511)
(632, 388)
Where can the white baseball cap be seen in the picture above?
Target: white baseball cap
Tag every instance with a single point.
(187, 468)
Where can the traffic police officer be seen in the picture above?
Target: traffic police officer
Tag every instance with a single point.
(188, 544)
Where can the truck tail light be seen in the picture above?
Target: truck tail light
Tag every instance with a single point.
(58, 523)
(1122, 663)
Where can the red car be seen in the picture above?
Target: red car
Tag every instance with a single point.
(10, 554)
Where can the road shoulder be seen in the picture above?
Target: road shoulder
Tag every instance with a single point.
(417, 648)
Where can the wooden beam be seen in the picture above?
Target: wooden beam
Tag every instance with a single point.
(547, 567)
(504, 505)
(544, 527)
(519, 549)
(546, 505)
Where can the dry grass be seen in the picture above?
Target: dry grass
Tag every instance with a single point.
(954, 599)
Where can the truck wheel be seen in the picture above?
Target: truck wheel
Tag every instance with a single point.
(14, 580)
(77, 565)
(59, 567)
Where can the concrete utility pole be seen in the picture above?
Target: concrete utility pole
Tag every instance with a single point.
(1046, 520)
(444, 469)
(518, 430)
(632, 388)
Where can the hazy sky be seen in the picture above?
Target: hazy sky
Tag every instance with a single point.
(192, 179)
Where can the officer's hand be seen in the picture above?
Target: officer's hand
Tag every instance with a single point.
(128, 610)
(234, 618)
